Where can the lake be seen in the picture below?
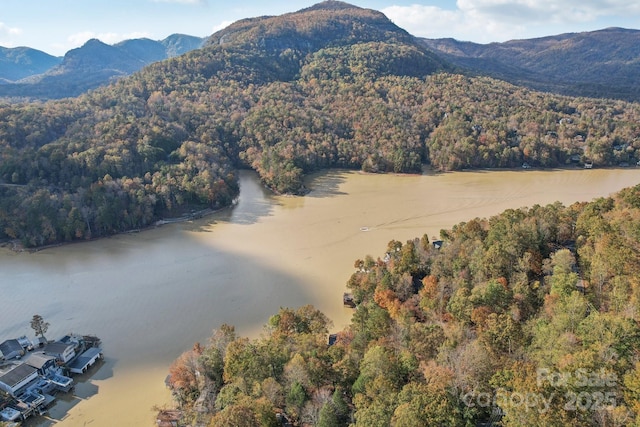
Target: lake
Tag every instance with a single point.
(151, 295)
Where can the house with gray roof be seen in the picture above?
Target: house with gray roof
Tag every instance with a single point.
(14, 376)
(60, 350)
(44, 363)
(11, 349)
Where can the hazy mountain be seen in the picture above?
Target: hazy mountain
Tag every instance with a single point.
(95, 64)
(20, 62)
(603, 63)
(177, 44)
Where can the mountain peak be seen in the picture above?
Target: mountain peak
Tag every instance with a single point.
(331, 5)
(329, 23)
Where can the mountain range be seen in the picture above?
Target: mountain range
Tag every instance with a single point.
(30, 73)
(603, 63)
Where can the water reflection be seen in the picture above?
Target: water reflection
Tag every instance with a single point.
(326, 184)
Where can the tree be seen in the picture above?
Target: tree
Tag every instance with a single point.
(235, 416)
(328, 417)
(39, 325)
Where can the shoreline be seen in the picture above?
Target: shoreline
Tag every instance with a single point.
(16, 246)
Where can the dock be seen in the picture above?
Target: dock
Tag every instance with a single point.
(85, 360)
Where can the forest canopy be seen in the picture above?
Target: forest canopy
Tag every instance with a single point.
(329, 86)
(527, 318)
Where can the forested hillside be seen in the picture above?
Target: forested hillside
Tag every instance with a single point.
(330, 86)
(527, 318)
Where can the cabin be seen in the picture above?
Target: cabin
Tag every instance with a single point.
(11, 349)
(64, 352)
(348, 300)
(15, 376)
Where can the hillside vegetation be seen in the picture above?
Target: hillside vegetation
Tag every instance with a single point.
(329, 86)
(527, 318)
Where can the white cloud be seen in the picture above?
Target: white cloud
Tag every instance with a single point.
(6, 30)
(7, 34)
(499, 20)
(433, 22)
(548, 11)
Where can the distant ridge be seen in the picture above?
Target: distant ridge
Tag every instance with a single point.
(93, 65)
(603, 63)
(20, 62)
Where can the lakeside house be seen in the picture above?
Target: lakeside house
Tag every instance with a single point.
(62, 351)
(16, 375)
(49, 369)
(30, 378)
(11, 349)
(42, 362)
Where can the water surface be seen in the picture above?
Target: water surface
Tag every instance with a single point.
(152, 295)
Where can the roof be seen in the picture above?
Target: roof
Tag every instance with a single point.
(11, 346)
(16, 373)
(85, 358)
(57, 347)
(38, 359)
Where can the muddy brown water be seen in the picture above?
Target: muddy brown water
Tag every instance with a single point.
(151, 295)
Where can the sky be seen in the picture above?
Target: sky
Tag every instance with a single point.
(56, 26)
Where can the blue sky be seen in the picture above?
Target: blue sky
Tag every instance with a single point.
(56, 26)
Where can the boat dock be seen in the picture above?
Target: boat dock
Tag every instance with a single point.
(85, 360)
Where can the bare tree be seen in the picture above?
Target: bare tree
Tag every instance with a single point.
(39, 325)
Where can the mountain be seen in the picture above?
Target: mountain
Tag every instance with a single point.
(20, 62)
(603, 63)
(95, 64)
(326, 24)
(333, 85)
(177, 44)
